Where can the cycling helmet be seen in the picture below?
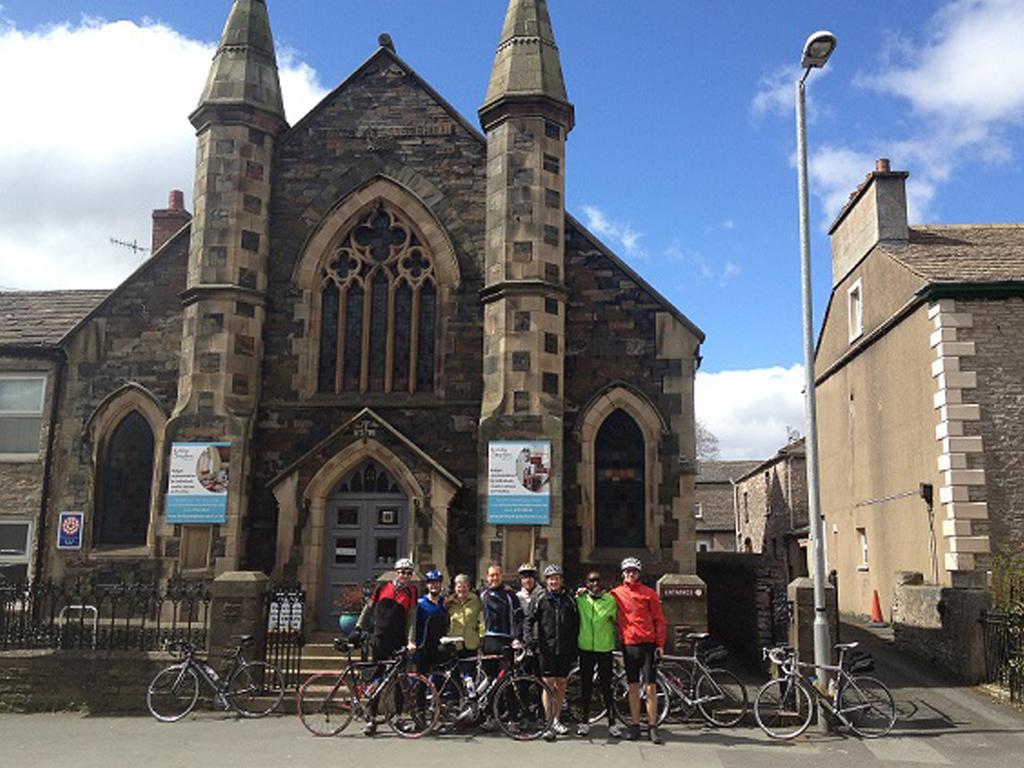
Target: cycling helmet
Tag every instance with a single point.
(553, 570)
(404, 563)
(434, 575)
(527, 569)
(632, 563)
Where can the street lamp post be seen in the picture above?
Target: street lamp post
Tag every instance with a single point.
(817, 50)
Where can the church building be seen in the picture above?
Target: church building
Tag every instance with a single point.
(379, 334)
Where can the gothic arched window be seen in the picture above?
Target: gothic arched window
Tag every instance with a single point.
(125, 483)
(619, 479)
(378, 310)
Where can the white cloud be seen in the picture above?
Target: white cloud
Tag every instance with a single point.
(964, 85)
(618, 233)
(95, 133)
(706, 270)
(776, 94)
(750, 410)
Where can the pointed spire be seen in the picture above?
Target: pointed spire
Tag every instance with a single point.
(527, 66)
(244, 69)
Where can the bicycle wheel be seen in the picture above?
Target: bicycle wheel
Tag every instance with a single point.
(410, 705)
(721, 697)
(451, 698)
(325, 704)
(255, 689)
(519, 707)
(173, 693)
(783, 708)
(868, 705)
(680, 687)
(574, 699)
(620, 698)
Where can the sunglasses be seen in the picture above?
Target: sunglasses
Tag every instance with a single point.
(593, 581)
(405, 572)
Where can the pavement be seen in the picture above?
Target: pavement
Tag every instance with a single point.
(941, 723)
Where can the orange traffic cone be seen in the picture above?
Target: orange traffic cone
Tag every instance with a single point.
(876, 611)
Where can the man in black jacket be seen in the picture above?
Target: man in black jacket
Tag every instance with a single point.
(553, 625)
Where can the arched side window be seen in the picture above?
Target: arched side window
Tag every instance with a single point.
(124, 483)
(620, 472)
(369, 478)
(378, 303)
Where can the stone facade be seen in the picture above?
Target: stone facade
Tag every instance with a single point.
(715, 510)
(918, 395)
(771, 510)
(536, 331)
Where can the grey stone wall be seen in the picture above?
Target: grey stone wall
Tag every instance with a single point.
(49, 681)
(134, 337)
(998, 326)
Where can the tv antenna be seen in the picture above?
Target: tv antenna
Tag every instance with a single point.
(132, 246)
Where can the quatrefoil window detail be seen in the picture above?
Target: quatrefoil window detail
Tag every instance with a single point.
(378, 309)
(380, 236)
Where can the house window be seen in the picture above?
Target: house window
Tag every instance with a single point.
(862, 537)
(703, 545)
(15, 545)
(378, 304)
(21, 415)
(855, 306)
(746, 509)
(698, 512)
(620, 467)
(124, 484)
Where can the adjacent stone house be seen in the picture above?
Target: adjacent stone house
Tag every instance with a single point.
(920, 397)
(715, 512)
(770, 503)
(365, 305)
(32, 325)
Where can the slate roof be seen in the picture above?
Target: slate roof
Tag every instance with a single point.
(962, 253)
(39, 319)
(724, 471)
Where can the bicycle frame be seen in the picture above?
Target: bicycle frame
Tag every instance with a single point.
(828, 700)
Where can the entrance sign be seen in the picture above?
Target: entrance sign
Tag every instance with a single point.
(197, 489)
(69, 532)
(519, 483)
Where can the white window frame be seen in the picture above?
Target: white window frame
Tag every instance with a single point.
(698, 511)
(855, 310)
(40, 414)
(862, 538)
(703, 542)
(8, 559)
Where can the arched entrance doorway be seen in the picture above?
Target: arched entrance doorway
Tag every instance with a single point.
(365, 531)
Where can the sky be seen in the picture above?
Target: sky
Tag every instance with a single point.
(682, 160)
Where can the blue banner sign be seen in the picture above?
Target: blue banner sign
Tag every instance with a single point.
(197, 488)
(69, 532)
(519, 483)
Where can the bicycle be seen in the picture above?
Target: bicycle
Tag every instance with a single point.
(250, 688)
(515, 698)
(328, 701)
(784, 706)
(716, 693)
(620, 695)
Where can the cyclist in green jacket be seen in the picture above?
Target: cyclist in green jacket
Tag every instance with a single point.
(598, 624)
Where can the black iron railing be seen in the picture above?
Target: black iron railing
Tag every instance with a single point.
(1004, 650)
(284, 609)
(81, 614)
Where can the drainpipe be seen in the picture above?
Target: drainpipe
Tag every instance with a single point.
(58, 383)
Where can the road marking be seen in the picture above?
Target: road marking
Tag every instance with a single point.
(904, 750)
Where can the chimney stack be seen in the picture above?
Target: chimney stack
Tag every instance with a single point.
(167, 221)
(876, 211)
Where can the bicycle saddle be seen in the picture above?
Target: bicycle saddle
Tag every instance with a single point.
(246, 640)
(698, 635)
(456, 641)
(845, 646)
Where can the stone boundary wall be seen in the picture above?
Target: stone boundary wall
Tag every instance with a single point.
(48, 681)
(942, 626)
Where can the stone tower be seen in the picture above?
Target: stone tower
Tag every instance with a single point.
(527, 116)
(240, 114)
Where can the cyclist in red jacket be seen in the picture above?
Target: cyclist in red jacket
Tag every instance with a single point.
(643, 628)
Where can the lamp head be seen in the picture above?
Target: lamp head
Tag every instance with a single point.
(817, 49)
